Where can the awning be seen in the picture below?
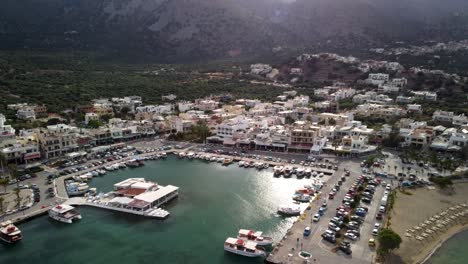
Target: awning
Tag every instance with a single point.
(34, 155)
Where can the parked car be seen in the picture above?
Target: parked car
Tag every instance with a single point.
(316, 218)
(307, 231)
(351, 236)
(329, 238)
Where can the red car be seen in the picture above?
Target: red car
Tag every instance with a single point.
(379, 216)
(331, 195)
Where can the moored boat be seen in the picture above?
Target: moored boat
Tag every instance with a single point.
(240, 247)
(278, 170)
(254, 236)
(182, 155)
(288, 170)
(303, 198)
(10, 233)
(227, 161)
(64, 213)
(289, 210)
(241, 163)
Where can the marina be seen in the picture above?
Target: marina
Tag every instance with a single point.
(204, 206)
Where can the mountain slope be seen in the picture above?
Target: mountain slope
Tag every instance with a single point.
(203, 29)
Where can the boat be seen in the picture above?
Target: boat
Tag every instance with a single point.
(259, 165)
(132, 163)
(64, 213)
(10, 233)
(278, 170)
(254, 236)
(109, 168)
(94, 173)
(101, 172)
(122, 165)
(227, 161)
(163, 155)
(240, 247)
(308, 172)
(266, 165)
(288, 171)
(182, 155)
(251, 164)
(300, 172)
(303, 198)
(190, 155)
(314, 174)
(75, 188)
(213, 159)
(290, 210)
(220, 160)
(140, 162)
(241, 163)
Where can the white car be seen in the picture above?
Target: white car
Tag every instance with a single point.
(382, 209)
(375, 232)
(316, 218)
(377, 226)
(388, 188)
(351, 236)
(333, 227)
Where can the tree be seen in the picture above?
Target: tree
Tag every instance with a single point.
(94, 124)
(331, 122)
(13, 170)
(1, 204)
(388, 241)
(4, 183)
(53, 121)
(124, 112)
(18, 197)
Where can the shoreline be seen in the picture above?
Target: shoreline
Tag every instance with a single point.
(429, 250)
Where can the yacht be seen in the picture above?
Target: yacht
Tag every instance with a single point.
(254, 236)
(240, 247)
(64, 213)
(288, 170)
(290, 210)
(278, 170)
(300, 172)
(10, 233)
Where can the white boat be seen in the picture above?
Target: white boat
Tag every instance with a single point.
(227, 161)
(190, 155)
(288, 170)
(278, 170)
(94, 173)
(101, 172)
(254, 236)
(300, 172)
(220, 160)
(122, 165)
(303, 198)
(289, 210)
(314, 173)
(266, 165)
(109, 168)
(64, 213)
(213, 159)
(89, 175)
(308, 171)
(259, 165)
(240, 247)
(241, 163)
(182, 155)
(10, 233)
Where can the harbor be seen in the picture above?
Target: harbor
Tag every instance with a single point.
(206, 208)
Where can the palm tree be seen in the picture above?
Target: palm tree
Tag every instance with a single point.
(13, 170)
(2, 162)
(395, 167)
(18, 197)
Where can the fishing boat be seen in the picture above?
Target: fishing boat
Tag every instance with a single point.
(240, 247)
(64, 213)
(227, 161)
(76, 189)
(290, 210)
(254, 236)
(302, 197)
(10, 233)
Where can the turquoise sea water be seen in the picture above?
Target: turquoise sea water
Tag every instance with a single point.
(215, 201)
(453, 251)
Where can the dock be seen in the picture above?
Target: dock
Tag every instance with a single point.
(152, 212)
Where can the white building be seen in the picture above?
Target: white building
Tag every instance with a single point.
(442, 116)
(228, 127)
(260, 69)
(91, 117)
(378, 78)
(206, 105)
(405, 99)
(460, 120)
(185, 106)
(26, 113)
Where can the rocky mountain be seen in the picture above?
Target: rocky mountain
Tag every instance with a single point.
(174, 30)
